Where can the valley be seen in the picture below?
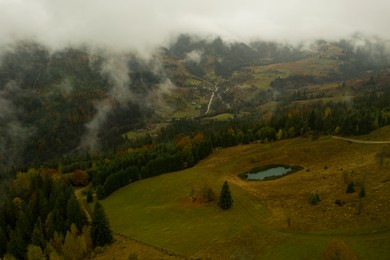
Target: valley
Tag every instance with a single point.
(147, 143)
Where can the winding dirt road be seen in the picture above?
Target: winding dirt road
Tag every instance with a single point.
(360, 141)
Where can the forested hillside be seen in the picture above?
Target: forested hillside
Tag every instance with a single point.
(71, 101)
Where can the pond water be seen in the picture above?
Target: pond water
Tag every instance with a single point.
(270, 172)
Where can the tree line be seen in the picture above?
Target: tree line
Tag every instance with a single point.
(149, 161)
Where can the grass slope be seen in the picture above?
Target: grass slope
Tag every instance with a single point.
(159, 211)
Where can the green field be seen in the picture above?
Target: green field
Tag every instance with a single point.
(221, 117)
(159, 212)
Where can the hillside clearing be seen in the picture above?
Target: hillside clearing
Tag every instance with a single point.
(270, 219)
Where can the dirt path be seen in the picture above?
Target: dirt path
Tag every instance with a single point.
(360, 141)
(83, 203)
(211, 100)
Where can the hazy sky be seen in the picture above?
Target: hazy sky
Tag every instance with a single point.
(128, 24)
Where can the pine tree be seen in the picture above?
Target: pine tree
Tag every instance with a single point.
(101, 233)
(89, 195)
(3, 242)
(38, 238)
(24, 225)
(225, 199)
(16, 244)
(74, 213)
(100, 192)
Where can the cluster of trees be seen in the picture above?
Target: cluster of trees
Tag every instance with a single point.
(148, 161)
(40, 217)
(39, 209)
(293, 82)
(366, 113)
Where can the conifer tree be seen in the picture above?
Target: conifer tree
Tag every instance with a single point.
(225, 199)
(38, 238)
(89, 195)
(101, 233)
(16, 244)
(74, 213)
(100, 192)
(3, 242)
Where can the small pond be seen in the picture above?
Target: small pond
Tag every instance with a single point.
(269, 172)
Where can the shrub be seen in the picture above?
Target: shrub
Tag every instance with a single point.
(350, 187)
(362, 192)
(314, 199)
(207, 194)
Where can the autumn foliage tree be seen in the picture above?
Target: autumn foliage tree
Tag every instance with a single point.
(79, 178)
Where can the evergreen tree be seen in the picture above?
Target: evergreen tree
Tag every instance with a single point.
(101, 233)
(8, 212)
(24, 225)
(100, 192)
(16, 245)
(3, 242)
(38, 238)
(74, 213)
(225, 199)
(89, 195)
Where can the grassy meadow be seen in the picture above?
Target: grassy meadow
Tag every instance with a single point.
(269, 219)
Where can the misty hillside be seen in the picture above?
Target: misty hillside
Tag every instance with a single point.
(59, 103)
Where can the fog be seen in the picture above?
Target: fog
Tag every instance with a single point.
(143, 25)
(113, 29)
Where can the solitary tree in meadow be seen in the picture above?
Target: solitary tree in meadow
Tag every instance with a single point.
(225, 199)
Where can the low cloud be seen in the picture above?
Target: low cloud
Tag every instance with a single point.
(115, 69)
(194, 56)
(144, 25)
(13, 135)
